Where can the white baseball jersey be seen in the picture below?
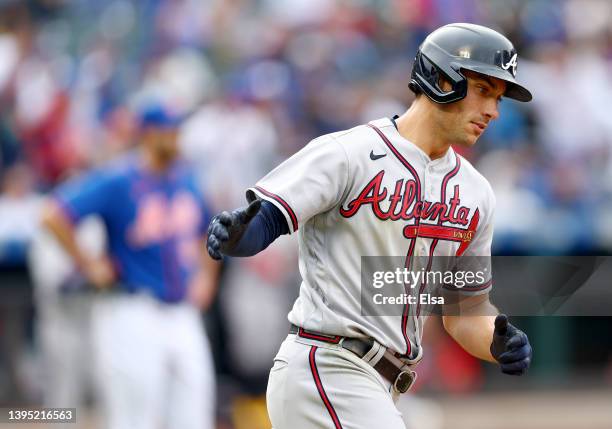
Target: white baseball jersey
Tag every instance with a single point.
(368, 191)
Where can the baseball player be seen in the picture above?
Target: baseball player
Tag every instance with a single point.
(390, 187)
(151, 353)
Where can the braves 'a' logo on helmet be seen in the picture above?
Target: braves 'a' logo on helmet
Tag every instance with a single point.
(512, 63)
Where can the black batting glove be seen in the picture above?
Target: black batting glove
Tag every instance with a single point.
(226, 229)
(510, 347)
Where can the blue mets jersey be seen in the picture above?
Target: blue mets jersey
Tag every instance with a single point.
(155, 222)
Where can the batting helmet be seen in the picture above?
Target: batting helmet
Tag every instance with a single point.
(454, 47)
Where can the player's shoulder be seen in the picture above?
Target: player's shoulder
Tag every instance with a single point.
(477, 181)
(119, 168)
(358, 135)
(113, 169)
(107, 177)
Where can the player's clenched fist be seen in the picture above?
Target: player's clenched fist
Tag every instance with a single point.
(226, 229)
(510, 347)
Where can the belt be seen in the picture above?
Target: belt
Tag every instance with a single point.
(383, 360)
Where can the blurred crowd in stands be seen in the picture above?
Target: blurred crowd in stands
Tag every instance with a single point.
(256, 80)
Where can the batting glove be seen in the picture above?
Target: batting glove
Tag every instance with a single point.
(510, 347)
(226, 229)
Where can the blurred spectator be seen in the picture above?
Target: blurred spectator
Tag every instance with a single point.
(316, 67)
(19, 205)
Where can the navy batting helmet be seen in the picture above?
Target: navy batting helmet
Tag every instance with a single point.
(456, 47)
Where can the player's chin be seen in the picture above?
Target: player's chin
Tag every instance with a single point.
(472, 136)
(468, 140)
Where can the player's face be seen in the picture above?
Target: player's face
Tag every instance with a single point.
(162, 143)
(465, 120)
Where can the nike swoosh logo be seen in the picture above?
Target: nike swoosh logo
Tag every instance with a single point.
(375, 157)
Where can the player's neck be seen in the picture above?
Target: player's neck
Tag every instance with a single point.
(416, 126)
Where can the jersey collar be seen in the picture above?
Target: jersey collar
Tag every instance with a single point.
(408, 148)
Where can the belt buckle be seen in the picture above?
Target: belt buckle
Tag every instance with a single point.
(404, 381)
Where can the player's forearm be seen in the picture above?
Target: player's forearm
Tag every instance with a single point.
(211, 267)
(473, 333)
(204, 285)
(471, 323)
(56, 221)
(266, 226)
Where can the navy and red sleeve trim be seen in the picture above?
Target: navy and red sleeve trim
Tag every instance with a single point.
(283, 204)
(269, 224)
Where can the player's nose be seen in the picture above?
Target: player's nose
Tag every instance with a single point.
(491, 110)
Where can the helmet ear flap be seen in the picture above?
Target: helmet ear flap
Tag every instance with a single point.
(429, 72)
(426, 78)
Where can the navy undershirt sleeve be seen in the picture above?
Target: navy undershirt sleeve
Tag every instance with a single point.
(265, 227)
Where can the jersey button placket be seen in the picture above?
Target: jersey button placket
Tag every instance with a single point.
(419, 245)
(428, 195)
(430, 184)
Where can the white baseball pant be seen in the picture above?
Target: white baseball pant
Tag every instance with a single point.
(314, 384)
(154, 364)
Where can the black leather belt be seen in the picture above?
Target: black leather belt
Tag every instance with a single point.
(383, 360)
